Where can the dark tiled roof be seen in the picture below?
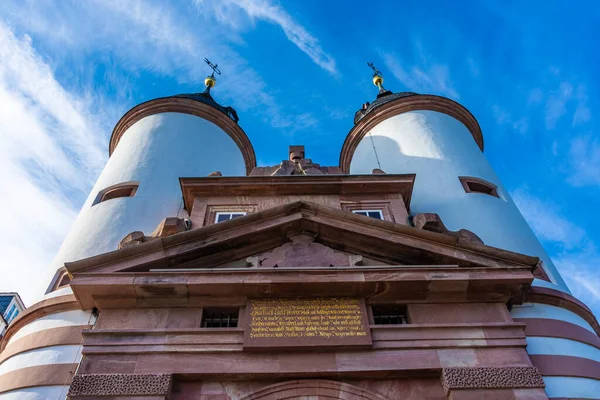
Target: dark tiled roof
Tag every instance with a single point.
(4, 302)
(206, 98)
(382, 99)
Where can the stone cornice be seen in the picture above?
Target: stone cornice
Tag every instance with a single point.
(272, 225)
(296, 185)
(402, 105)
(186, 106)
(181, 288)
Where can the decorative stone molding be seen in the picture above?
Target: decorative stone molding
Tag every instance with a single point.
(303, 252)
(313, 388)
(491, 378)
(432, 222)
(167, 227)
(95, 385)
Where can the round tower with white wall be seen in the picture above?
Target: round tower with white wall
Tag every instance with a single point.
(441, 142)
(152, 146)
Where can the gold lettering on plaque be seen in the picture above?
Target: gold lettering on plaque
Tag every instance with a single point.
(317, 318)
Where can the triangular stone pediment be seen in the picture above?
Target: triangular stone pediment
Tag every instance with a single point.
(302, 251)
(300, 235)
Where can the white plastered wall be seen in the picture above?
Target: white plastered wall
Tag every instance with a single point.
(36, 393)
(155, 151)
(439, 149)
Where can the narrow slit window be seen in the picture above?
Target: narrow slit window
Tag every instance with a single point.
(377, 214)
(220, 317)
(389, 314)
(226, 216)
(476, 185)
(116, 191)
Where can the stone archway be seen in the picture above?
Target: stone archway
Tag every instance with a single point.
(313, 389)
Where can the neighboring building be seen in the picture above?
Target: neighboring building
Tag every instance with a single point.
(11, 305)
(404, 272)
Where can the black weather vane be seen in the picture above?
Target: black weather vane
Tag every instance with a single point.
(213, 66)
(375, 70)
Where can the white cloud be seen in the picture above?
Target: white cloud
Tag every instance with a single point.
(426, 77)
(582, 112)
(500, 115)
(546, 220)
(51, 145)
(576, 256)
(157, 37)
(584, 159)
(535, 96)
(54, 137)
(580, 271)
(556, 104)
(227, 11)
(503, 117)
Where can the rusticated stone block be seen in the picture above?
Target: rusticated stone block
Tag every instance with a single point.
(491, 378)
(95, 385)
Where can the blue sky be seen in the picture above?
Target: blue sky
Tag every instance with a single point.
(296, 72)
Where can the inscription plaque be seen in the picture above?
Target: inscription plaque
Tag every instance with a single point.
(290, 323)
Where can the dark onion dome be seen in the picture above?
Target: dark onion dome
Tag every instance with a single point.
(382, 98)
(207, 99)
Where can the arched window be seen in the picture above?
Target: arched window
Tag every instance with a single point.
(126, 189)
(476, 185)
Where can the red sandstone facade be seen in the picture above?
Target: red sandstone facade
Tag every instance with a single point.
(300, 248)
(299, 241)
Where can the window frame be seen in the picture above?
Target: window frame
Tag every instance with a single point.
(102, 194)
(467, 181)
(222, 310)
(219, 213)
(370, 205)
(380, 211)
(403, 313)
(211, 211)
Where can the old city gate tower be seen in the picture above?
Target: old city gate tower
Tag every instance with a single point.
(404, 272)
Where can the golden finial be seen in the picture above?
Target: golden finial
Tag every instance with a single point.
(377, 77)
(211, 81)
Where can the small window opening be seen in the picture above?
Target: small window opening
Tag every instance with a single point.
(389, 314)
(220, 317)
(475, 185)
(377, 214)
(226, 216)
(114, 192)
